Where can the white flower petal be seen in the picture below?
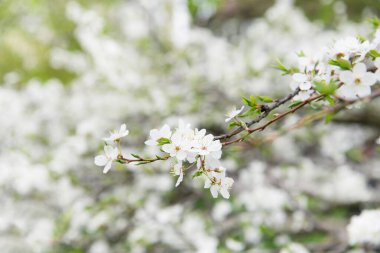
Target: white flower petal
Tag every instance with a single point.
(100, 160)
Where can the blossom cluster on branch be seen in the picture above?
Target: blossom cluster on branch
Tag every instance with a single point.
(339, 75)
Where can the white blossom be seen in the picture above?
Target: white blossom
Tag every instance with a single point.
(106, 160)
(178, 147)
(357, 83)
(116, 135)
(157, 134)
(233, 113)
(206, 145)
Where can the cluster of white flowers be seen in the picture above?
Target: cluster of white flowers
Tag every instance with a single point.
(186, 146)
(364, 229)
(350, 65)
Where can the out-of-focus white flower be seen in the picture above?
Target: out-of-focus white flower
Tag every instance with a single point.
(178, 171)
(233, 113)
(206, 145)
(116, 135)
(348, 47)
(357, 83)
(294, 248)
(106, 160)
(234, 245)
(365, 228)
(156, 135)
(178, 147)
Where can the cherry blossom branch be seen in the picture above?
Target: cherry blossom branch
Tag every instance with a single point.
(265, 112)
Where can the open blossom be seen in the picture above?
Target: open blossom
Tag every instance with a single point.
(219, 184)
(106, 160)
(357, 83)
(116, 135)
(206, 145)
(178, 147)
(365, 228)
(156, 135)
(178, 171)
(233, 113)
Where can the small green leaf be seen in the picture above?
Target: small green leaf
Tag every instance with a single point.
(251, 101)
(250, 112)
(295, 103)
(285, 70)
(163, 141)
(343, 64)
(325, 88)
(135, 156)
(375, 22)
(330, 100)
(232, 124)
(373, 53)
(197, 173)
(265, 99)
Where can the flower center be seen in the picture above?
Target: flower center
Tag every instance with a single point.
(358, 81)
(339, 55)
(177, 148)
(204, 148)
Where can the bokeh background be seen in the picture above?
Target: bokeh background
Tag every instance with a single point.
(72, 70)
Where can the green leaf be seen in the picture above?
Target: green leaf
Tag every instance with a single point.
(197, 173)
(375, 22)
(329, 117)
(330, 100)
(285, 70)
(265, 99)
(251, 101)
(325, 88)
(135, 156)
(343, 64)
(250, 112)
(232, 124)
(373, 53)
(163, 141)
(295, 103)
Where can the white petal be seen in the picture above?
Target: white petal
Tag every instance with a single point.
(346, 77)
(107, 167)
(299, 78)
(179, 180)
(347, 92)
(225, 193)
(181, 155)
(362, 90)
(369, 79)
(305, 86)
(100, 160)
(214, 191)
(150, 142)
(168, 148)
(359, 68)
